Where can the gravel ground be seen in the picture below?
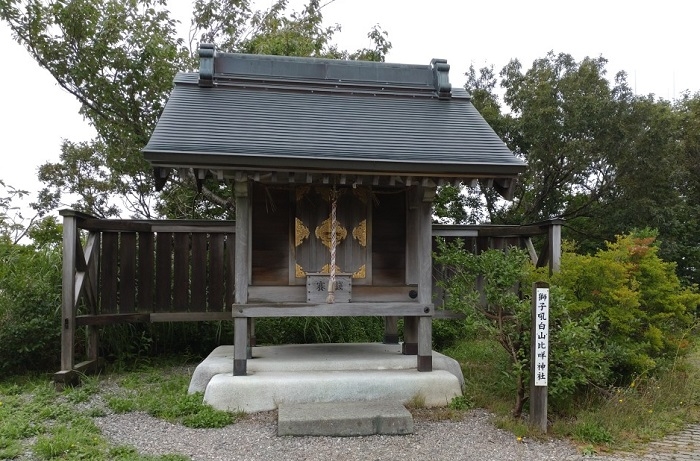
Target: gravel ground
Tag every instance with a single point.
(472, 438)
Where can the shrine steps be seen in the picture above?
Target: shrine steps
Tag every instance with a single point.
(344, 419)
(324, 373)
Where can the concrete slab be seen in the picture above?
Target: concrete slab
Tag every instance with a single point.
(264, 391)
(344, 419)
(317, 357)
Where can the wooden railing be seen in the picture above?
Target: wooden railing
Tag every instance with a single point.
(117, 271)
(124, 271)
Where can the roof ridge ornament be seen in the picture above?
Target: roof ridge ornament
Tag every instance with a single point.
(207, 53)
(441, 78)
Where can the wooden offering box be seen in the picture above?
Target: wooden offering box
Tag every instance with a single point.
(317, 288)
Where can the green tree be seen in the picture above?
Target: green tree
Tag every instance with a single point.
(118, 58)
(11, 222)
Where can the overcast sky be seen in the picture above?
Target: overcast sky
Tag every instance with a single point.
(656, 43)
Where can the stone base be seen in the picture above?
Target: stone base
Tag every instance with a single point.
(321, 373)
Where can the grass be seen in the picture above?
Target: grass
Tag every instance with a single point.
(37, 422)
(602, 421)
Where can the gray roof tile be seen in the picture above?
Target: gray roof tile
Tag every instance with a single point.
(262, 112)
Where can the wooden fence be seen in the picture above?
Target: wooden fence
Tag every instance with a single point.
(126, 271)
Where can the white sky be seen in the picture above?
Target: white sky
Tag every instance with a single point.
(655, 42)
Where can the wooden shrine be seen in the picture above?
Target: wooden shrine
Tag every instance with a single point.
(334, 166)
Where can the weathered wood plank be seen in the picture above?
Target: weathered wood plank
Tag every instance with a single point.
(424, 245)
(333, 310)
(108, 275)
(163, 270)
(425, 344)
(360, 293)
(127, 272)
(391, 330)
(276, 294)
(146, 271)
(188, 229)
(189, 316)
(70, 232)
(242, 261)
(92, 255)
(390, 255)
(199, 272)
(216, 272)
(111, 319)
(410, 336)
(270, 236)
(555, 247)
(181, 263)
(230, 268)
(240, 346)
(168, 225)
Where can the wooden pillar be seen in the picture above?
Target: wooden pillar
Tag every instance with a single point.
(410, 336)
(242, 270)
(413, 216)
(554, 241)
(70, 240)
(425, 276)
(391, 330)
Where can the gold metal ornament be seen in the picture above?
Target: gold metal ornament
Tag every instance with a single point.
(299, 271)
(359, 233)
(360, 273)
(326, 269)
(324, 231)
(301, 232)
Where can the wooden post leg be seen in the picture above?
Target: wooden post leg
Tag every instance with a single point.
(391, 330)
(240, 346)
(410, 336)
(251, 337)
(425, 346)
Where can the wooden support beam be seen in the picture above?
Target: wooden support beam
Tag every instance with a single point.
(554, 247)
(240, 347)
(242, 241)
(410, 336)
(70, 234)
(531, 249)
(425, 344)
(391, 330)
(425, 276)
(242, 275)
(353, 309)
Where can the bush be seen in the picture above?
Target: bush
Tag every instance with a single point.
(614, 315)
(643, 310)
(30, 304)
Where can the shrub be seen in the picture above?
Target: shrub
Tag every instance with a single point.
(643, 309)
(30, 301)
(493, 289)
(614, 315)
